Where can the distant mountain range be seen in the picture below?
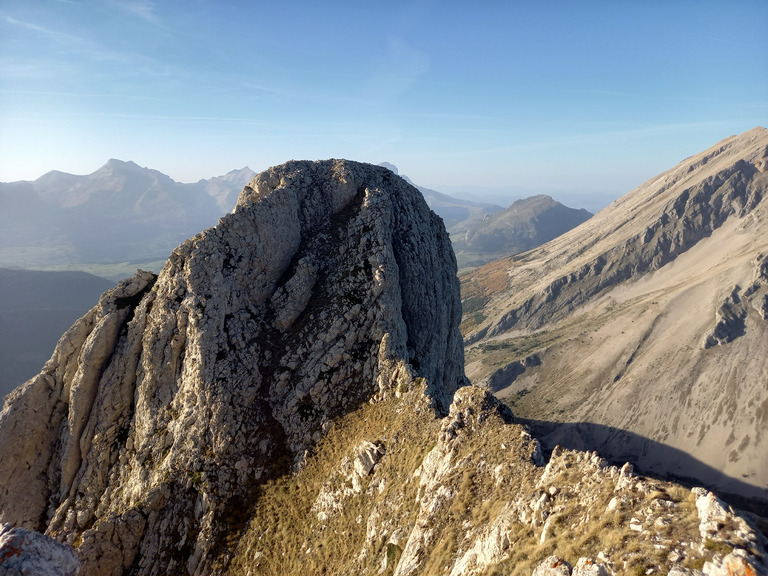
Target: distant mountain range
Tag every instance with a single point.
(124, 216)
(121, 212)
(483, 232)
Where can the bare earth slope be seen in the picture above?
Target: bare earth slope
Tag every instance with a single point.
(644, 332)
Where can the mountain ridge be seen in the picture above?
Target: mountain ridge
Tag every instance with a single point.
(120, 212)
(525, 224)
(646, 318)
(330, 284)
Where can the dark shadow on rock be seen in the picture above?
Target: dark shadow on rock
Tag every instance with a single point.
(650, 458)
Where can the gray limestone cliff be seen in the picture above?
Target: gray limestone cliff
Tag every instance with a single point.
(145, 438)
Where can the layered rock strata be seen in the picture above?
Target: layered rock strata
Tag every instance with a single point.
(649, 321)
(145, 438)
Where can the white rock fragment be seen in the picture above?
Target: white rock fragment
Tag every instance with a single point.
(588, 567)
(552, 566)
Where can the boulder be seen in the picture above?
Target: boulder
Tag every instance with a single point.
(552, 566)
(27, 553)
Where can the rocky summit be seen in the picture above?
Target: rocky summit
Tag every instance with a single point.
(147, 435)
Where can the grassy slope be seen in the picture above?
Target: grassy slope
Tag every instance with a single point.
(490, 481)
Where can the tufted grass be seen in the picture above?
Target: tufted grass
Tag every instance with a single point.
(285, 535)
(490, 469)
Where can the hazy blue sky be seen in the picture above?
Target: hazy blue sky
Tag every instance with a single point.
(531, 95)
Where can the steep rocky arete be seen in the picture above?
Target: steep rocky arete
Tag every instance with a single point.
(148, 433)
(393, 490)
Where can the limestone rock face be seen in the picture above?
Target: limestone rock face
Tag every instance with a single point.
(588, 567)
(148, 433)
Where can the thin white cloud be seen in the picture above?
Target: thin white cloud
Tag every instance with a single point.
(97, 118)
(647, 95)
(728, 41)
(62, 93)
(76, 43)
(86, 48)
(401, 69)
(54, 35)
(580, 139)
(12, 69)
(141, 9)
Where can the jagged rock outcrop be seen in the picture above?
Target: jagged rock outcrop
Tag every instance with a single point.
(27, 553)
(348, 481)
(466, 495)
(504, 377)
(553, 566)
(145, 439)
(650, 324)
(729, 321)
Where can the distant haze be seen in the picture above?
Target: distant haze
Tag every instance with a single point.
(591, 200)
(121, 213)
(36, 308)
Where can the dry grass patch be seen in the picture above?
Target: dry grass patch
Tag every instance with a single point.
(285, 535)
(480, 481)
(477, 287)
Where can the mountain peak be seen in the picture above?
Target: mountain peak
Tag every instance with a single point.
(389, 166)
(330, 285)
(122, 165)
(525, 224)
(118, 162)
